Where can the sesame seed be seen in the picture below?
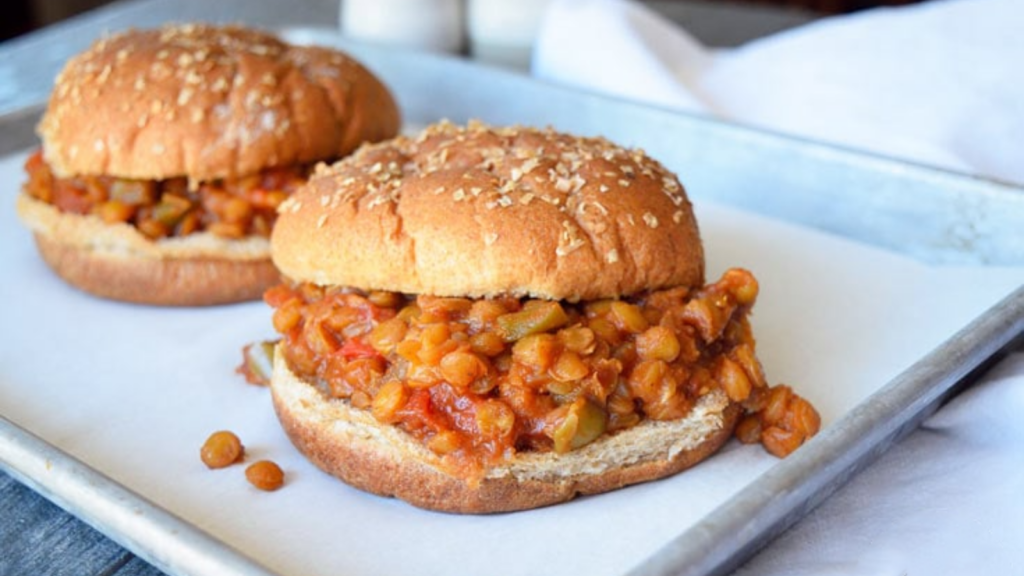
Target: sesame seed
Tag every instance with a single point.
(650, 219)
(321, 220)
(290, 204)
(490, 238)
(624, 183)
(185, 95)
(569, 240)
(159, 70)
(612, 256)
(378, 199)
(677, 217)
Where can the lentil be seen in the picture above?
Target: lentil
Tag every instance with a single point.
(230, 208)
(222, 449)
(478, 380)
(265, 475)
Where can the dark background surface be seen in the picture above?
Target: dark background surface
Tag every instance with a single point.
(21, 16)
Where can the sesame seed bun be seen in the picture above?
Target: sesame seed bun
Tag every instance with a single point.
(350, 444)
(208, 102)
(199, 102)
(481, 211)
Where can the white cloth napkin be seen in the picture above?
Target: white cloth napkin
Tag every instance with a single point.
(941, 83)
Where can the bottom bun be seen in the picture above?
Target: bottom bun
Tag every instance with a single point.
(380, 458)
(116, 261)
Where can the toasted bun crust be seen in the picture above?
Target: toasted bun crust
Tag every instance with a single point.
(116, 261)
(206, 102)
(350, 444)
(481, 211)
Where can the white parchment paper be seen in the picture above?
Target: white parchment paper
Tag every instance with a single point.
(134, 391)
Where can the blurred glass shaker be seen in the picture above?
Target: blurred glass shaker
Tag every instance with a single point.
(503, 31)
(432, 25)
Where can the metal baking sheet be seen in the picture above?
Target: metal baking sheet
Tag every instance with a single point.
(961, 227)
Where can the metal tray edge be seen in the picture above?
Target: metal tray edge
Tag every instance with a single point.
(153, 533)
(789, 490)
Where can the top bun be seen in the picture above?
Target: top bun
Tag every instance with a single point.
(482, 211)
(208, 102)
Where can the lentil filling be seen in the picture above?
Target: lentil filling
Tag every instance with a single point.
(478, 380)
(229, 208)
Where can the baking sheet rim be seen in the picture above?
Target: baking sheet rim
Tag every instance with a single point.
(146, 528)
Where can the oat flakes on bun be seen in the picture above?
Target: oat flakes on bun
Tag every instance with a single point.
(165, 153)
(481, 319)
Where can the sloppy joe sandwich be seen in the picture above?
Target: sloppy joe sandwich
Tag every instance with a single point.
(482, 319)
(166, 152)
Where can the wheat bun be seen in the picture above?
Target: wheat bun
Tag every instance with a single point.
(480, 211)
(202, 102)
(207, 102)
(351, 445)
(116, 261)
